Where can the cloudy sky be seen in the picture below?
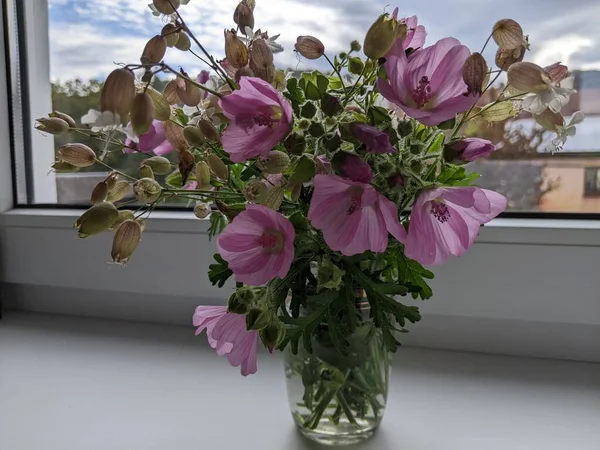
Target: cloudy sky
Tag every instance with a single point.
(88, 36)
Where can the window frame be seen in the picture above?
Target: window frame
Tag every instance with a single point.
(45, 267)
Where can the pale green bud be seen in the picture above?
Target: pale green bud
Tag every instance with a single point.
(147, 190)
(97, 219)
(159, 165)
(126, 239)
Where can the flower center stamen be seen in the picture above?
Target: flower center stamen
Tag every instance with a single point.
(422, 93)
(355, 200)
(271, 241)
(440, 211)
(264, 120)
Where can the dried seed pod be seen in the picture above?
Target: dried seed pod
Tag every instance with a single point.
(124, 214)
(166, 6)
(310, 47)
(159, 165)
(202, 210)
(118, 192)
(236, 51)
(528, 77)
(126, 239)
(162, 109)
(147, 190)
(193, 136)
(118, 92)
(78, 155)
(217, 166)
(254, 190)
(171, 34)
(508, 34)
(188, 93)
(174, 134)
(474, 73)
(99, 193)
(52, 125)
(243, 16)
(506, 58)
(209, 130)
(97, 219)
(170, 92)
(261, 61)
(203, 176)
(183, 43)
(186, 164)
(67, 118)
(275, 162)
(273, 198)
(142, 113)
(381, 36)
(154, 51)
(146, 172)
(243, 72)
(63, 167)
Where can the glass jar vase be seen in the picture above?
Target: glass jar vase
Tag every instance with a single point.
(338, 399)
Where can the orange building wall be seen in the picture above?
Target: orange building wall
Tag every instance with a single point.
(569, 195)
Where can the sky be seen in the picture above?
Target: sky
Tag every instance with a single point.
(87, 37)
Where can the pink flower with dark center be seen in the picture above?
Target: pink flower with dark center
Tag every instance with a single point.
(415, 34)
(259, 118)
(154, 141)
(428, 85)
(227, 334)
(470, 149)
(377, 141)
(446, 221)
(353, 216)
(258, 245)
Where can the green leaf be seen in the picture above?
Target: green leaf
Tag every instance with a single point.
(335, 83)
(219, 273)
(410, 271)
(322, 83)
(174, 180)
(448, 124)
(436, 145)
(218, 222)
(378, 115)
(294, 93)
(303, 171)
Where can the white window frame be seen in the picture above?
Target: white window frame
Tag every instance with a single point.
(528, 287)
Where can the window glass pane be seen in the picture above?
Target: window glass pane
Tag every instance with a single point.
(86, 39)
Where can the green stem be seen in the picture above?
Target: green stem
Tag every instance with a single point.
(335, 69)
(102, 163)
(189, 80)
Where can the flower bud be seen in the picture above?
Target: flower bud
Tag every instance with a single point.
(111, 180)
(261, 61)
(242, 300)
(63, 167)
(257, 319)
(126, 239)
(217, 166)
(147, 190)
(557, 72)
(78, 155)
(52, 125)
(243, 72)
(189, 93)
(171, 91)
(254, 190)
(382, 35)
(528, 77)
(550, 120)
(296, 191)
(273, 198)
(272, 335)
(203, 176)
(193, 135)
(508, 34)
(99, 193)
(174, 134)
(166, 6)
(355, 46)
(202, 210)
(243, 16)
(236, 51)
(162, 109)
(474, 73)
(183, 43)
(67, 118)
(118, 192)
(124, 214)
(209, 130)
(142, 113)
(118, 92)
(506, 58)
(171, 34)
(186, 164)
(146, 172)
(355, 65)
(154, 51)
(310, 47)
(97, 219)
(279, 81)
(159, 165)
(275, 162)
(142, 223)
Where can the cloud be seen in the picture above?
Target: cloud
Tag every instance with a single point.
(87, 37)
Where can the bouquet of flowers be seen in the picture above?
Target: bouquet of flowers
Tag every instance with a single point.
(328, 191)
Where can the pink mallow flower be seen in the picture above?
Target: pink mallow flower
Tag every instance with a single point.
(428, 85)
(377, 141)
(259, 118)
(415, 34)
(227, 334)
(353, 216)
(470, 149)
(154, 141)
(446, 221)
(258, 245)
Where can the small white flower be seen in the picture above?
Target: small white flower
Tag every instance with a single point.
(565, 132)
(251, 36)
(107, 121)
(553, 98)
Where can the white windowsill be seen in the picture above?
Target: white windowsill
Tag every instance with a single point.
(72, 383)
